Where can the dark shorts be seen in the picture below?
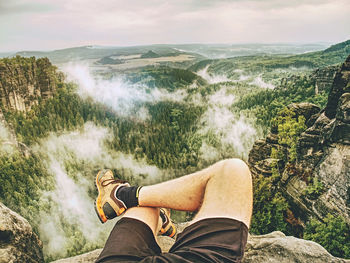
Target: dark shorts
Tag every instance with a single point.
(208, 240)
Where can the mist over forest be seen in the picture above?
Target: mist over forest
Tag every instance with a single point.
(149, 113)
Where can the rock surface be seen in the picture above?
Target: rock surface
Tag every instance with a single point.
(272, 248)
(276, 248)
(87, 257)
(323, 153)
(24, 80)
(321, 79)
(324, 78)
(18, 242)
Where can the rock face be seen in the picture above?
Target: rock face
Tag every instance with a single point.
(324, 78)
(321, 79)
(323, 155)
(87, 257)
(276, 248)
(272, 248)
(18, 242)
(23, 81)
(259, 157)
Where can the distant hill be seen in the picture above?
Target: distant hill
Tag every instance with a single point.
(150, 54)
(95, 52)
(200, 51)
(333, 55)
(109, 61)
(343, 46)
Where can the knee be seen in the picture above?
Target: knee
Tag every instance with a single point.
(233, 169)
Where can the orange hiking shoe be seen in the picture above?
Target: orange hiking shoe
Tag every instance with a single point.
(168, 227)
(107, 205)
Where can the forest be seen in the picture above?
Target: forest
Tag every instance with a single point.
(169, 139)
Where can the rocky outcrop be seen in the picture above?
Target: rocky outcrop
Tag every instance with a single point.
(323, 156)
(340, 86)
(18, 242)
(272, 248)
(84, 258)
(23, 81)
(278, 248)
(260, 160)
(323, 78)
(324, 153)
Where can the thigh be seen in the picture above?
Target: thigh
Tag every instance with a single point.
(229, 193)
(131, 240)
(208, 240)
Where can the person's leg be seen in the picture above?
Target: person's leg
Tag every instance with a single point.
(148, 215)
(133, 237)
(221, 190)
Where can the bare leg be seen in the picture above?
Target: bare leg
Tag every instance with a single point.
(221, 190)
(148, 215)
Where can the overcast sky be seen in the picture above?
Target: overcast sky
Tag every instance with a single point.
(55, 24)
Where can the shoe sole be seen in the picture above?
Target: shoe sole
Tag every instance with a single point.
(98, 203)
(171, 232)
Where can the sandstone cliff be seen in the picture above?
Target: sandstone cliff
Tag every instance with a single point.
(323, 155)
(272, 248)
(18, 242)
(321, 79)
(23, 81)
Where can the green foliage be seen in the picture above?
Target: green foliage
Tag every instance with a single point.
(336, 54)
(21, 181)
(165, 139)
(269, 207)
(39, 72)
(289, 130)
(166, 77)
(277, 153)
(266, 104)
(333, 234)
(314, 189)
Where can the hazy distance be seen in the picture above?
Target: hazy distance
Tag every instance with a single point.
(48, 25)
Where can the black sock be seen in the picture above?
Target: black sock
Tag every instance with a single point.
(129, 195)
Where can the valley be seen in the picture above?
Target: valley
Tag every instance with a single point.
(151, 113)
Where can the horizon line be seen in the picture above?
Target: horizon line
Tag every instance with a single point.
(172, 44)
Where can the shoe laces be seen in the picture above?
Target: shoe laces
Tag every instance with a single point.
(112, 181)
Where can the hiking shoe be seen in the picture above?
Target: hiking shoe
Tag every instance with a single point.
(107, 205)
(168, 228)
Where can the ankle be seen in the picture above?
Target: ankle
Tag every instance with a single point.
(129, 195)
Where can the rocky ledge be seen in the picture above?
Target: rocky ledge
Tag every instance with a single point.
(272, 248)
(323, 155)
(24, 81)
(18, 243)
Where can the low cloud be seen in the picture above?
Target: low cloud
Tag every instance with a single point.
(258, 81)
(8, 143)
(73, 159)
(224, 132)
(212, 78)
(117, 92)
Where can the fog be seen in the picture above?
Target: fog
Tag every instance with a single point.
(258, 81)
(212, 78)
(8, 143)
(224, 132)
(117, 92)
(73, 159)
